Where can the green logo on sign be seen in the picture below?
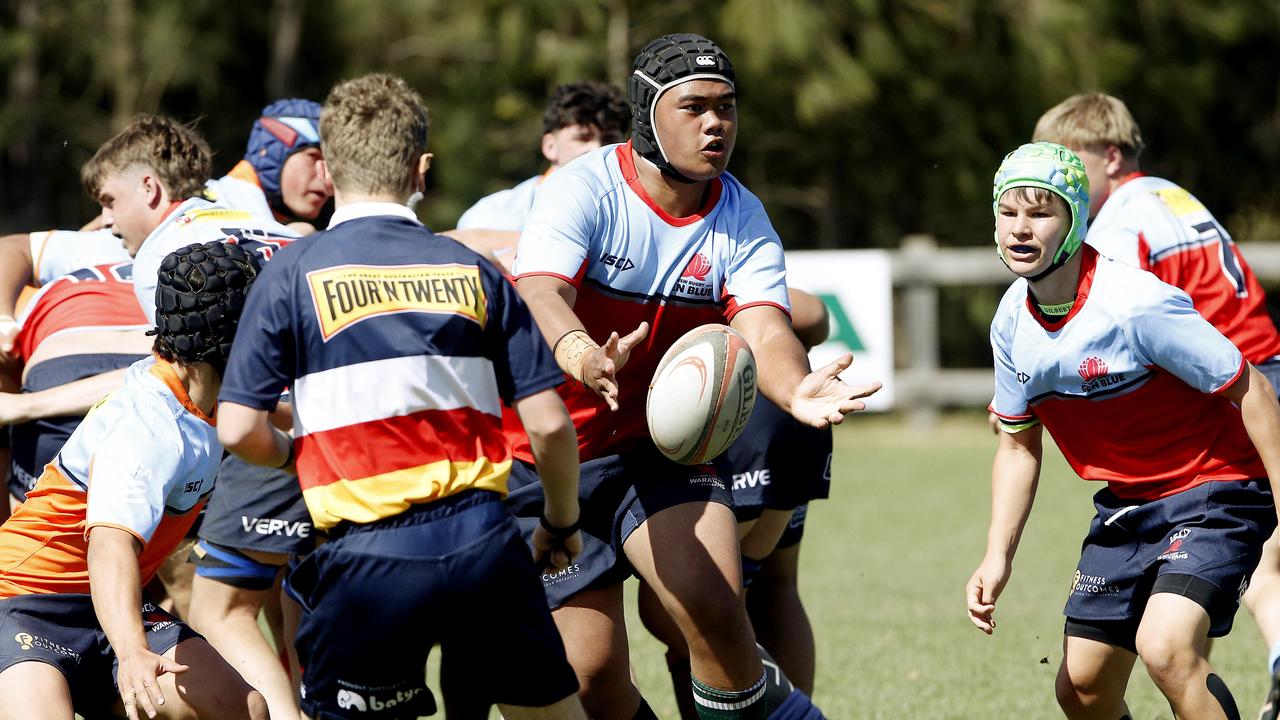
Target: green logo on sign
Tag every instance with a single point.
(844, 333)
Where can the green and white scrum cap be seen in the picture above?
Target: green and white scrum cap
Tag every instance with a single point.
(1051, 167)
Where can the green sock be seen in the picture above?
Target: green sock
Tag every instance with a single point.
(716, 704)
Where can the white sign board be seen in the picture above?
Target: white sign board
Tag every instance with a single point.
(857, 288)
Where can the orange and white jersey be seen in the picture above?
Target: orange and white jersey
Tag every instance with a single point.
(143, 461)
(1156, 225)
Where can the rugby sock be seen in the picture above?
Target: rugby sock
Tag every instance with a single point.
(782, 698)
(1273, 658)
(680, 673)
(797, 706)
(714, 704)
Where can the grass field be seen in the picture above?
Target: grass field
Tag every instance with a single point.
(883, 570)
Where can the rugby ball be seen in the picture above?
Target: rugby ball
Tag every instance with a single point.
(701, 395)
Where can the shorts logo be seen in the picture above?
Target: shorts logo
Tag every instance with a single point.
(561, 575)
(710, 479)
(345, 295)
(1174, 551)
(752, 478)
(1092, 585)
(348, 700)
(705, 60)
(27, 641)
(275, 526)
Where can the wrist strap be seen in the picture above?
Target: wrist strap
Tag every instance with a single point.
(571, 350)
(560, 533)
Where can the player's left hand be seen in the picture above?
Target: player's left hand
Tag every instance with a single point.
(138, 680)
(550, 552)
(823, 399)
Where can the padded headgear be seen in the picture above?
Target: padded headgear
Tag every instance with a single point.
(200, 292)
(286, 126)
(1051, 167)
(661, 65)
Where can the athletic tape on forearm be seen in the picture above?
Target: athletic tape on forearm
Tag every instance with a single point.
(571, 352)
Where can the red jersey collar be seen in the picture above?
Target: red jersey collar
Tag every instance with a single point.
(629, 173)
(1088, 266)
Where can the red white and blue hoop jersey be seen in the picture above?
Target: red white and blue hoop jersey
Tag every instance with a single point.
(143, 460)
(401, 347)
(1128, 383)
(91, 298)
(1153, 224)
(594, 225)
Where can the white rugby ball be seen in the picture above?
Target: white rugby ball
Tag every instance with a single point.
(701, 394)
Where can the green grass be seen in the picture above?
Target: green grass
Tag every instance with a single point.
(883, 569)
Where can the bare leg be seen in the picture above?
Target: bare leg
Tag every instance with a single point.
(1092, 679)
(779, 618)
(210, 688)
(34, 691)
(228, 617)
(595, 639)
(176, 575)
(1172, 642)
(689, 555)
(567, 709)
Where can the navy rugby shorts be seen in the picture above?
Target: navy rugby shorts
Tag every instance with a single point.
(776, 464)
(62, 630)
(616, 494)
(1202, 543)
(378, 597)
(252, 508)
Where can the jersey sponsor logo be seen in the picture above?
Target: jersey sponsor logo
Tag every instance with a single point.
(752, 478)
(275, 526)
(348, 294)
(616, 261)
(214, 214)
(1179, 201)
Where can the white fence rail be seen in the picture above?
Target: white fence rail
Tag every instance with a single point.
(919, 269)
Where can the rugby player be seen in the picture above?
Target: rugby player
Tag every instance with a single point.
(1158, 226)
(1141, 392)
(109, 509)
(579, 117)
(625, 250)
(400, 346)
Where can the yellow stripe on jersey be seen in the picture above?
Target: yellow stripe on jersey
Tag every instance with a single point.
(381, 496)
(214, 214)
(347, 294)
(1181, 202)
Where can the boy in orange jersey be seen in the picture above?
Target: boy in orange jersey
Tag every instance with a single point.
(110, 508)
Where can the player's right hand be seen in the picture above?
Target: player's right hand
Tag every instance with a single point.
(138, 680)
(982, 590)
(600, 367)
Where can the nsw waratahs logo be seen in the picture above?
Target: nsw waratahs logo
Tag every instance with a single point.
(1096, 375)
(693, 282)
(1092, 368)
(697, 268)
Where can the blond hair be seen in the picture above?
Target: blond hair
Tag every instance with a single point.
(373, 129)
(1092, 121)
(176, 153)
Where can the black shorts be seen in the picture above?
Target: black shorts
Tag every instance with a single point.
(456, 572)
(795, 528)
(257, 508)
(777, 463)
(616, 494)
(35, 443)
(1201, 543)
(61, 630)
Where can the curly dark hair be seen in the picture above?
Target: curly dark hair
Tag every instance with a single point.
(589, 103)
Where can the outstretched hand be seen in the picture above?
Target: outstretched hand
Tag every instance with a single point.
(600, 367)
(823, 399)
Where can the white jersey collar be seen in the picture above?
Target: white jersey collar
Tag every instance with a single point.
(358, 210)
